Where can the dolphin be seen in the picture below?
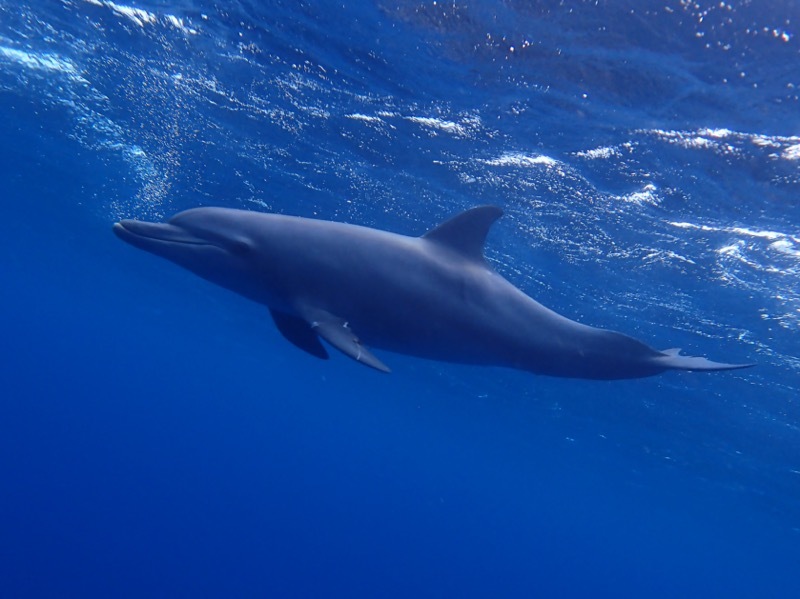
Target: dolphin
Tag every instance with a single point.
(433, 296)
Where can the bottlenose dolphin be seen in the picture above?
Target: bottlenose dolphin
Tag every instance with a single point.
(433, 296)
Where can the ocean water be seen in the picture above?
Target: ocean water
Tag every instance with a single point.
(158, 438)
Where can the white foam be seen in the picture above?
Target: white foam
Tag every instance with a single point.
(684, 225)
(734, 249)
(791, 153)
(764, 141)
(716, 133)
(764, 254)
(175, 21)
(786, 247)
(647, 195)
(710, 139)
(364, 117)
(744, 231)
(666, 256)
(141, 17)
(598, 153)
(761, 234)
(137, 15)
(39, 62)
(441, 125)
(520, 159)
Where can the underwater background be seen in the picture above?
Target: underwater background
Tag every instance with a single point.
(159, 438)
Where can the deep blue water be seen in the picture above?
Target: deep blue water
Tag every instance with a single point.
(158, 438)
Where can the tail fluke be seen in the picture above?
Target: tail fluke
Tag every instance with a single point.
(672, 360)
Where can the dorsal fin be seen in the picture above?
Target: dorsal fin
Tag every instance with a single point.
(466, 233)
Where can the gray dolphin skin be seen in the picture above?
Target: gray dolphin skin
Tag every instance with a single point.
(433, 296)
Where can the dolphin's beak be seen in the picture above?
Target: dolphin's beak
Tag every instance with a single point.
(150, 235)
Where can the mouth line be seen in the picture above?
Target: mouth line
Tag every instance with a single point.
(146, 231)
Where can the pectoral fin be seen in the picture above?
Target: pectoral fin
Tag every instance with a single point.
(300, 333)
(337, 332)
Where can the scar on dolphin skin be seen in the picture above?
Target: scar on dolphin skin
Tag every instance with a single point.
(432, 296)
